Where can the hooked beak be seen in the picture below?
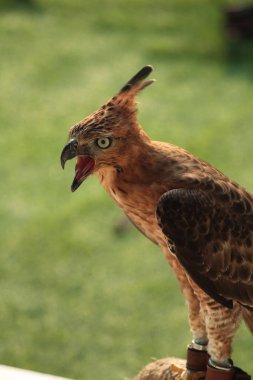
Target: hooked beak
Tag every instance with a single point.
(85, 163)
(69, 152)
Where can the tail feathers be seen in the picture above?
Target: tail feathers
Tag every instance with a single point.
(248, 318)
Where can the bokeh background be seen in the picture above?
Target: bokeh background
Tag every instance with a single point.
(82, 294)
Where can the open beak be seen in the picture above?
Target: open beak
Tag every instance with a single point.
(69, 152)
(84, 164)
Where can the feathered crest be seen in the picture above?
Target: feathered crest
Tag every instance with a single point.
(136, 83)
(125, 98)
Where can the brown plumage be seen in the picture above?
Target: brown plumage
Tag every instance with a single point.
(202, 221)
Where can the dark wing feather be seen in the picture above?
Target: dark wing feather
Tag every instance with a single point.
(212, 229)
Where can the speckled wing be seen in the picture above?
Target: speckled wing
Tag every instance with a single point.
(211, 228)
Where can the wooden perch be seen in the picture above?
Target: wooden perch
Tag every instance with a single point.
(167, 369)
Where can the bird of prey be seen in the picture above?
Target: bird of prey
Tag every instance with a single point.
(202, 221)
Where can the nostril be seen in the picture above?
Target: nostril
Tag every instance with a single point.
(73, 144)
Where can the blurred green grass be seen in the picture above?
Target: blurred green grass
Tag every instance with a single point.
(77, 298)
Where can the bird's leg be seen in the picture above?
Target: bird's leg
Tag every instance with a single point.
(196, 322)
(197, 356)
(221, 324)
(195, 315)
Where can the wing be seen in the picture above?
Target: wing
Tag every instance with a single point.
(212, 229)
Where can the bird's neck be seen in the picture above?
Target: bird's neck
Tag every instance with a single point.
(138, 178)
(136, 188)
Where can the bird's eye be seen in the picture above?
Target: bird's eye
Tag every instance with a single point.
(103, 142)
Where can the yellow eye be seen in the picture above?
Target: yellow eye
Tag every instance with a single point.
(103, 142)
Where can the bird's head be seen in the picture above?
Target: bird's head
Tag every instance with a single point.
(103, 138)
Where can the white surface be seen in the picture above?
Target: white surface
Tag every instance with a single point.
(11, 373)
